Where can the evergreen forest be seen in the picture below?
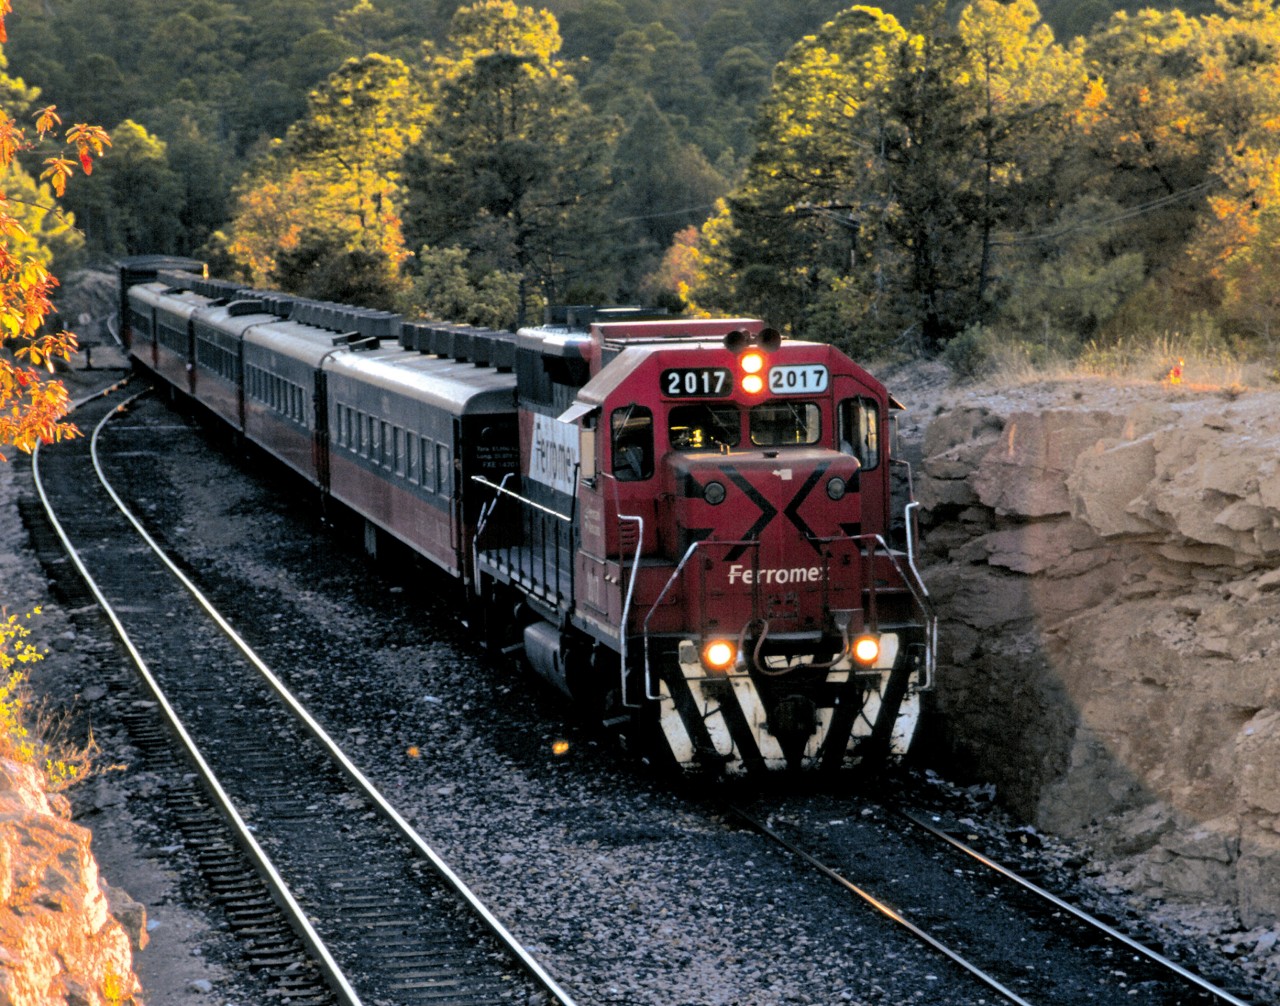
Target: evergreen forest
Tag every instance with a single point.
(909, 177)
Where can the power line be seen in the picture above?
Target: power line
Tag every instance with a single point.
(1133, 211)
(668, 213)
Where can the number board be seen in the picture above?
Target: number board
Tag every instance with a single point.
(696, 382)
(798, 379)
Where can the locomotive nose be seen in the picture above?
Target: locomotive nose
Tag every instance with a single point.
(806, 494)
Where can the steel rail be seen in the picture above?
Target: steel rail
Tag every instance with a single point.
(531, 966)
(1083, 916)
(881, 907)
(284, 897)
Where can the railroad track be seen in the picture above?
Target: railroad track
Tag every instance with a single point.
(334, 894)
(1018, 940)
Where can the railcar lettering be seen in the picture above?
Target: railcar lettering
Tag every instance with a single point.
(553, 460)
(696, 382)
(798, 379)
(778, 577)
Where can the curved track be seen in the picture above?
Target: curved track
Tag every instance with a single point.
(1026, 945)
(381, 916)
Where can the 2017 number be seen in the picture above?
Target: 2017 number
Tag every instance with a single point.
(798, 379)
(695, 382)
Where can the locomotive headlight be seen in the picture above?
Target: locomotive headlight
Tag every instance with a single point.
(719, 655)
(751, 363)
(866, 650)
(836, 488)
(752, 384)
(713, 493)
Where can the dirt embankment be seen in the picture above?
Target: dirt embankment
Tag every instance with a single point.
(1106, 561)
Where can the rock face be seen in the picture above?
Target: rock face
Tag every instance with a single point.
(1106, 562)
(59, 943)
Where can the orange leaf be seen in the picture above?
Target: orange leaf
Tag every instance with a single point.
(48, 118)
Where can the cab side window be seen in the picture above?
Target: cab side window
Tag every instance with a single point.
(859, 422)
(632, 439)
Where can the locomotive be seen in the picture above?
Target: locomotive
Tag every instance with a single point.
(690, 526)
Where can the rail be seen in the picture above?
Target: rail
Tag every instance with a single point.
(333, 974)
(302, 922)
(1083, 916)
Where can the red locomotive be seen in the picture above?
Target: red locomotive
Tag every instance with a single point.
(683, 523)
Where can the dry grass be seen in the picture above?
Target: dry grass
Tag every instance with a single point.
(1195, 362)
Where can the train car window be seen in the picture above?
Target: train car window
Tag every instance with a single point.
(859, 422)
(428, 465)
(785, 424)
(705, 426)
(399, 451)
(411, 457)
(444, 484)
(632, 437)
(364, 435)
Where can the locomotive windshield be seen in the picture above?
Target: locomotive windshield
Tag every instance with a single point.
(704, 427)
(785, 424)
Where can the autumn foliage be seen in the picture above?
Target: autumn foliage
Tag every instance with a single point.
(31, 405)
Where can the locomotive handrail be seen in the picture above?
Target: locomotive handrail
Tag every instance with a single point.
(931, 655)
(626, 604)
(914, 584)
(482, 520)
(561, 554)
(675, 574)
(920, 594)
(502, 489)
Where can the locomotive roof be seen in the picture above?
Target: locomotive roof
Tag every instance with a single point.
(634, 355)
(458, 388)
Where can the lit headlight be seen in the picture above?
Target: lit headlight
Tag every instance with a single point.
(836, 487)
(719, 655)
(866, 650)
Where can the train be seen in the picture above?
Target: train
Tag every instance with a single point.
(693, 527)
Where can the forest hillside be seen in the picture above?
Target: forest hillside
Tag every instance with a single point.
(978, 178)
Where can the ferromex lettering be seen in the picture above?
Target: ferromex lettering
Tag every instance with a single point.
(780, 577)
(554, 458)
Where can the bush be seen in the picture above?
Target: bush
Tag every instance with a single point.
(28, 732)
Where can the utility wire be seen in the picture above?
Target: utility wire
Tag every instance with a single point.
(1133, 211)
(668, 213)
